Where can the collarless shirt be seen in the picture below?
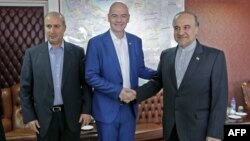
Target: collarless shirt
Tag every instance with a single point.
(121, 48)
(182, 59)
(56, 56)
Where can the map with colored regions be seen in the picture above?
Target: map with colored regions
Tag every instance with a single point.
(151, 20)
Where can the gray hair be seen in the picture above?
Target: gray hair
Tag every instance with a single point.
(190, 13)
(54, 13)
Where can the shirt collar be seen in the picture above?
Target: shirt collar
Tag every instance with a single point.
(189, 47)
(50, 46)
(115, 38)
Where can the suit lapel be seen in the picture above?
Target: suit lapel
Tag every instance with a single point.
(193, 64)
(109, 45)
(46, 63)
(172, 68)
(131, 47)
(66, 61)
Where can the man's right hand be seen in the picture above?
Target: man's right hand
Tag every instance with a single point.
(127, 95)
(34, 125)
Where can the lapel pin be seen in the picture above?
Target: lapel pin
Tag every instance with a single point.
(129, 43)
(197, 58)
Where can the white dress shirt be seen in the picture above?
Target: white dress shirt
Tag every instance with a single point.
(121, 48)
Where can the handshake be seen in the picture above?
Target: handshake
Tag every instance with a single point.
(127, 95)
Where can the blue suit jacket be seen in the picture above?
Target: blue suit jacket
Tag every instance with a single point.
(103, 73)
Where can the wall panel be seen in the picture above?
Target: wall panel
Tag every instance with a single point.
(224, 25)
(20, 28)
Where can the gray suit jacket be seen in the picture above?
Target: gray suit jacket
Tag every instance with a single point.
(37, 92)
(198, 107)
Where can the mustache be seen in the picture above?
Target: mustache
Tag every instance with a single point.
(182, 36)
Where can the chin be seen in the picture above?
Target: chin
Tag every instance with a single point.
(119, 30)
(183, 44)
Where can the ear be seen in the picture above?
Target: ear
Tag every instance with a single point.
(108, 18)
(196, 30)
(65, 27)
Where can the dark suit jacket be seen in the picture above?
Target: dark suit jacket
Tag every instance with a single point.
(103, 73)
(1, 103)
(2, 136)
(37, 91)
(198, 107)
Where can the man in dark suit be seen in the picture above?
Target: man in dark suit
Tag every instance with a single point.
(114, 63)
(55, 99)
(2, 135)
(195, 86)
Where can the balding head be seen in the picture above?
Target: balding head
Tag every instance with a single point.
(120, 5)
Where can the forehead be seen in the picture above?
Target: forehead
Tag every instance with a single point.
(53, 19)
(119, 9)
(184, 19)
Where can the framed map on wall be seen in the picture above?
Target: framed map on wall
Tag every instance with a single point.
(151, 20)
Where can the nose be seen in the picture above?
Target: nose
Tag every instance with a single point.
(181, 31)
(119, 18)
(52, 29)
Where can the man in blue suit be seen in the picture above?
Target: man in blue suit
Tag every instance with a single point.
(194, 81)
(114, 62)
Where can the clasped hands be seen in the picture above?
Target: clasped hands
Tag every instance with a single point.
(127, 95)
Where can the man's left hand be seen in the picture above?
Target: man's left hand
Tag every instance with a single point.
(85, 119)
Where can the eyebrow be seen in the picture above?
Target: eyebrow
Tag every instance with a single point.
(53, 25)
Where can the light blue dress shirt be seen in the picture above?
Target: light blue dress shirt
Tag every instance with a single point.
(56, 56)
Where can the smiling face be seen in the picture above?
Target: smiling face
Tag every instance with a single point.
(54, 29)
(118, 18)
(185, 29)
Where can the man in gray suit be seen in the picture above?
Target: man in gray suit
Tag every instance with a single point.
(55, 99)
(195, 86)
